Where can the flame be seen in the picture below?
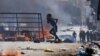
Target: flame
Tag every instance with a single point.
(11, 53)
(45, 33)
(1, 36)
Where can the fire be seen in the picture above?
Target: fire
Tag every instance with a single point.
(11, 53)
(45, 33)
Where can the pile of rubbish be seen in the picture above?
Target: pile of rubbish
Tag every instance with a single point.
(89, 49)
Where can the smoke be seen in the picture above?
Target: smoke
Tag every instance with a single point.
(41, 6)
(54, 8)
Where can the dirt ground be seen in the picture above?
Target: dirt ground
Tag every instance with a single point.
(37, 49)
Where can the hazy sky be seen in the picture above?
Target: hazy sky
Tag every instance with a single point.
(40, 6)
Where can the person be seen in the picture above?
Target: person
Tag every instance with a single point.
(88, 36)
(53, 23)
(98, 36)
(95, 35)
(92, 36)
(82, 36)
(89, 51)
(98, 11)
(74, 35)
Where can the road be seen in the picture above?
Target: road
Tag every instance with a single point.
(37, 49)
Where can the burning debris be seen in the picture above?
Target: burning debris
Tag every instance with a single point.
(12, 53)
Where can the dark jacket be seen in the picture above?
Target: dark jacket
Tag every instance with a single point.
(89, 51)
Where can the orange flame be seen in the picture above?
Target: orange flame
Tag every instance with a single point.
(11, 53)
(45, 33)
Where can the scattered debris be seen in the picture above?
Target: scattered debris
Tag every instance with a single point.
(48, 50)
(65, 49)
(22, 53)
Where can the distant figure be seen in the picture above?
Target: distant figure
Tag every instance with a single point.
(98, 11)
(95, 35)
(82, 36)
(98, 36)
(91, 36)
(74, 35)
(88, 36)
(53, 23)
